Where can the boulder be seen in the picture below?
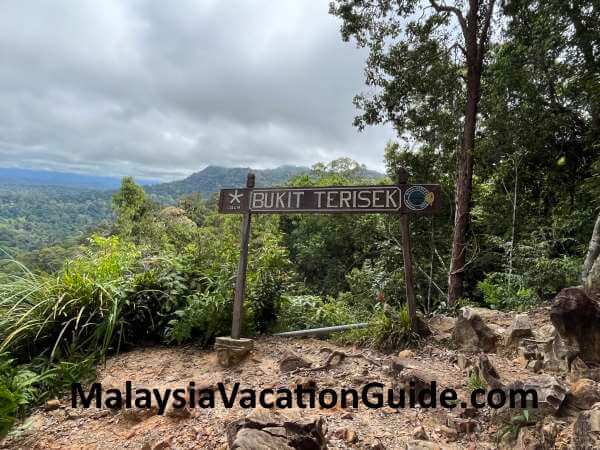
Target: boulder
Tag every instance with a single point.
(291, 362)
(586, 429)
(422, 445)
(576, 316)
(51, 405)
(472, 334)
(272, 429)
(420, 434)
(551, 394)
(489, 373)
(441, 327)
(583, 394)
(519, 328)
(416, 379)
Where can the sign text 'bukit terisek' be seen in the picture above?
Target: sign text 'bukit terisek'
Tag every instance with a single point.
(422, 198)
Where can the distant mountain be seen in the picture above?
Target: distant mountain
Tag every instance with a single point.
(28, 177)
(213, 178)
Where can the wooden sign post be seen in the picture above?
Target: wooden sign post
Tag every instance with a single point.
(240, 281)
(403, 199)
(402, 180)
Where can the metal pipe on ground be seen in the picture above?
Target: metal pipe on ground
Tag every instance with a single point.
(322, 331)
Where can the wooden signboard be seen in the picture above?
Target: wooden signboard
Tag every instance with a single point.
(402, 199)
(409, 199)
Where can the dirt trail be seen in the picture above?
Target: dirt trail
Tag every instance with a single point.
(159, 367)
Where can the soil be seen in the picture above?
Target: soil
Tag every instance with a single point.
(161, 367)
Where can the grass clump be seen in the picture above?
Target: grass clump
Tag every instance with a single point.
(387, 331)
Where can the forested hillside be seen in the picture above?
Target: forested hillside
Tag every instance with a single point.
(34, 214)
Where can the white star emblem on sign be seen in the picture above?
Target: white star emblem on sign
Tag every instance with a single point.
(235, 197)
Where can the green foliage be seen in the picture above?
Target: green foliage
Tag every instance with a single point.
(18, 389)
(77, 309)
(475, 381)
(36, 216)
(325, 248)
(204, 316)
(388, 330)
(513, 428)
(505, 291)
(308, 311)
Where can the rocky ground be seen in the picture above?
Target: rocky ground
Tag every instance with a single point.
(520, 349)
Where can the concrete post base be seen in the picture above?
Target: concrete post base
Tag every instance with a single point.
(231, 351)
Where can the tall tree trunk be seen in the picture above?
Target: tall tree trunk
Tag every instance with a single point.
(475, 34)
(464, 186)
(464, 182)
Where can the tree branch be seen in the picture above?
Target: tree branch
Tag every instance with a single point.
(454, 10)
(485, 30)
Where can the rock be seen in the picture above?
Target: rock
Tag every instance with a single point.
(272, 429)
(441, 327)
(406, 353)
(463, 426)
(249, 439)
(489, 373)
(551, 394)
(558, 355)
(347, 416)
(545, 332)
(415, 378)
(529, 439)
(471, 334)
(51, 405)
(396, 366)
(291, 362)
(586, 430)
(578, 365)
(463, 362)
(346, 434)
(420, 434)
(450, 434)
(520, 328)
(575, 316)
(538, 365)
(182, 412)
(162, 445)
(583, 393)
(422, 445)
(351, 436)
(307, 383)
(373, 445)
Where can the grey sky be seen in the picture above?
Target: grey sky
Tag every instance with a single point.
(162, 89)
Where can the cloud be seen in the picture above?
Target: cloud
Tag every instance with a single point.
(151, 89)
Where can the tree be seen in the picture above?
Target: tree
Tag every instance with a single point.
(418, 83)
(131, 205)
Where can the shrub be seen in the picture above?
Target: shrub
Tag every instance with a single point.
(204, 316)
(308, 311)
(387, 331)
(79, 309)
(505, 291)
(18, 391)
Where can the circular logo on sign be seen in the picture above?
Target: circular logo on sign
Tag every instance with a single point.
(418, 198)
